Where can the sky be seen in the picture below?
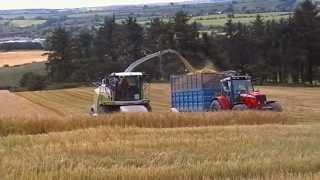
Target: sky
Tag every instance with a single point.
(28, 4)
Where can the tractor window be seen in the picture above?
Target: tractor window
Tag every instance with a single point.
(129, 89)
(242, 86)
(226, 87)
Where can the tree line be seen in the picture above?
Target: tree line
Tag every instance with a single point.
(285, 51)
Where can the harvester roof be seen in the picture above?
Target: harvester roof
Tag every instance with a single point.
(123, 74)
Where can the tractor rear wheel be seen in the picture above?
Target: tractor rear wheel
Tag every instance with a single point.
(215, 106)
(276, 107)
(240, 107)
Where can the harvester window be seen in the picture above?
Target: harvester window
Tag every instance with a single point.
(129, 89)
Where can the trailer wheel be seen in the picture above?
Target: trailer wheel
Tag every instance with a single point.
(240, 107)
(215, 106)
(276, 107)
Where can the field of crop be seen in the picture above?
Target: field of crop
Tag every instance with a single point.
(220, 20)
(162, 145)
(17, 107)
(68, 102)
(246, 152)
(13, 58)
(300, 104)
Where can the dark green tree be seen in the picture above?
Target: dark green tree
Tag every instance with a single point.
(258, 27)
(229, 28)
(104, 42)
(85, 40)
(307, 31)
(59, 64)
(132, 40)
(33, 81)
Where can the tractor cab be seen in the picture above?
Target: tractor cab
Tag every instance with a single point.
(237, 93)
(235, 86)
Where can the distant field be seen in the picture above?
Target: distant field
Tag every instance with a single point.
(220, 20)
(23, 23)
(10, 76)
(26, 23)
(210, 20)
(12, 58)
(20, 62)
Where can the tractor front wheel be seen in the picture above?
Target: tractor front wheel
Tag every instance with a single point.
(276, 107)
(215, 106)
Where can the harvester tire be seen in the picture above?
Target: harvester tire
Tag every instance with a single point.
(104, 109)
(276, 107)
(240, 107)
(148, 106)
(215, 106)
(92, 110)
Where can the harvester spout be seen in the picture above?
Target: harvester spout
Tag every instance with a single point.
(158, 54)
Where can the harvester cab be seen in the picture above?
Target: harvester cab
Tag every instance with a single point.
(121, 92)
(237, 93)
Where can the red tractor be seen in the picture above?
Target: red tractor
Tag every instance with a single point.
(237, 93)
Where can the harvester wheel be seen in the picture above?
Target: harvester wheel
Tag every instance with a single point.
(92, 110)
(104, 109)
(240, 107)
(276, 107)
(148, 106)
(215, 106)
